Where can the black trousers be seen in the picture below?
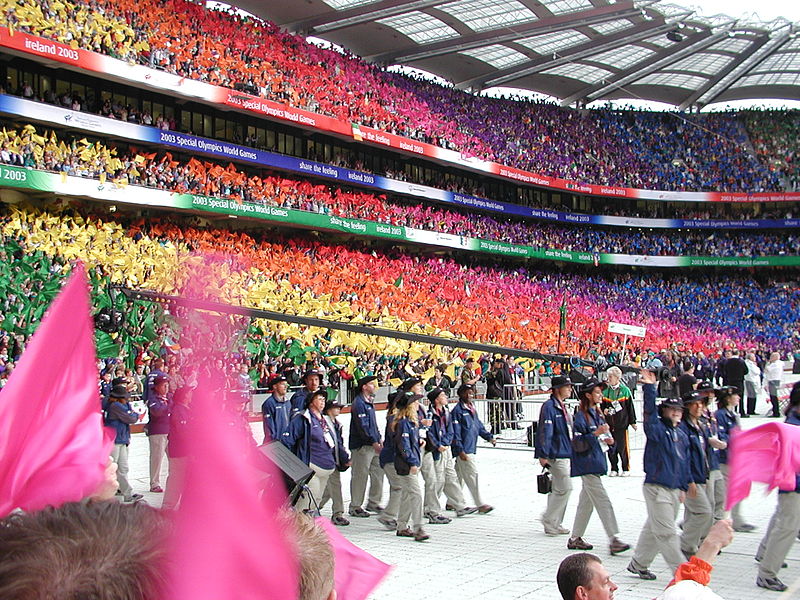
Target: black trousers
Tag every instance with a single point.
(619, 450)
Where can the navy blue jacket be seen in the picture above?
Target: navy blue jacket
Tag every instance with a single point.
(386, 457)
(147, 388)
(441, 432)
(299, 400)
(363, 425)
(120, 416)
(552, 434)
(593, 461)
(466, 429)
(793, 418)
(712, 454)
(726, 421)
(276, 416)
(299, 438)
(666, 452)
(698, 455)
(406, 442)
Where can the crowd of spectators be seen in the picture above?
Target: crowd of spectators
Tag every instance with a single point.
(774, 135)
(667, 150)
(83, 158)
(507, 305)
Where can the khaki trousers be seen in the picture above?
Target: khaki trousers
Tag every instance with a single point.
(175, 482)
(447, 482)
(467, 471)
(410, 502)
(429, 475)
(780, 535)
(334, 491)
(119, 454)
(658, 533)
(594, 497)
(736, 510)
(559, 496)
(716, 490)
(365, 465)
(158, 450)
(312, 497)
(392, 509)
(698, 517)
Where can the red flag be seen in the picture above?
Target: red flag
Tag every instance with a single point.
(227, 541)
(52, 445)
(357, 572)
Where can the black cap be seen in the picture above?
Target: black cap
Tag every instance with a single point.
(277, 379)
(589, 385)
(119, 391)
(329, 404)
(312, 372)
(118, 381)
(705, 387)
(434, 393)
(410, 382)
(405, 399)
(559, 381)
(726, 391)
(670, 403)
(160, 379)
(691, 397)
(365, 380)
(464, 388)
(312, 395)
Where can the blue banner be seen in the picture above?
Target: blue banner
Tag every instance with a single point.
(58, 116)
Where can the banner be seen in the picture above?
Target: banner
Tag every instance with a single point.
(154, 79)
(20, 178)
(57, 116)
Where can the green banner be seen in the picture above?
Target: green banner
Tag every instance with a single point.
(15, 177)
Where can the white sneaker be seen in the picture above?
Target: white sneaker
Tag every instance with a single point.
(626, 473)
(613, 474)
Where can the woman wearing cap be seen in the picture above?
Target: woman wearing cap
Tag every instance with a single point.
(312, 441)
(785, 523)
(119, 416)
(467, 427)
(666, 480)
(698, 516)
(590, 439)
(407, 460)
(334, 488)
(727, 421)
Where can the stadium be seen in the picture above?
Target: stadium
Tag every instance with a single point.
(281, 192)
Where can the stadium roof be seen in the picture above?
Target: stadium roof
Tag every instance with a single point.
(575, 50)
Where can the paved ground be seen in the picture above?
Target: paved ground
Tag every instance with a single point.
(505, 555)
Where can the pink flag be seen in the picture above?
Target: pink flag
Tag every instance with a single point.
(52, 445)
(227, 542)
(357, 572)
(769, 453)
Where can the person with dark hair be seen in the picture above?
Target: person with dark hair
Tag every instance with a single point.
(119, 416)
(554, 451)
(365, 447)
(156, 370)
(439, 380)
(440, 435)
(698, 515)
(312, 441)
(583, 577)
(496, 381)
(727, 420)
(467, 427)
(785, 522)
(408, 461)
(733, 374)
(177, 446)
(773, 379)
(591, 437)
(687, 382)
(85, 550)
(312, 381)
(342, 458)
(666, 480)
(276, 410)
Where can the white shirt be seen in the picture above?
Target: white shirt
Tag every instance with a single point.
(774, 371)
(753, 372)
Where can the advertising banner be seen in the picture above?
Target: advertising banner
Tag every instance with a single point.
(152, 78)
